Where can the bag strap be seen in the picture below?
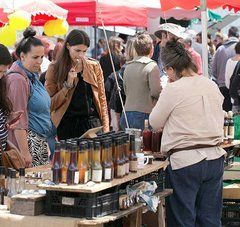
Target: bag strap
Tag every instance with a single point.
(30, 83)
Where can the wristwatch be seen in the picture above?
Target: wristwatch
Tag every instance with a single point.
(67, 85)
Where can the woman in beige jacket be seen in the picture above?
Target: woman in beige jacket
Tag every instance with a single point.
(76, 86)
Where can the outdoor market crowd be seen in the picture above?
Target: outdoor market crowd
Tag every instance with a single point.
(50, 92)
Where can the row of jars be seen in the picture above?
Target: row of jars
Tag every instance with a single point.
(98, 160)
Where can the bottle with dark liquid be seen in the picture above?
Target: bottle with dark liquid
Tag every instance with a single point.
(82, 165)
(96, 163)
(57, 165)
(231, 127)
(90, 158)
(119, 167)
(133, 162)
(156, 141)
(2, 185)
(147, 137)
(72, 172)
(107, 163)
(226, 125)
(122, 153)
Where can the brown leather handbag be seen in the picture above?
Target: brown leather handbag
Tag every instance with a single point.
(11, 157)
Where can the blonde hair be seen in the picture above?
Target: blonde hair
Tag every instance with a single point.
(130, 49)
(115, 44)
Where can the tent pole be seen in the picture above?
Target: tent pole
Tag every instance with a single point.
(204, 37)
(95, 42)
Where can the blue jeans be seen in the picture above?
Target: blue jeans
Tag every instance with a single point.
(197, 194)
(135, 119)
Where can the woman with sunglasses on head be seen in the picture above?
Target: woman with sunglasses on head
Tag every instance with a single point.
(189, 111)
(76, 86)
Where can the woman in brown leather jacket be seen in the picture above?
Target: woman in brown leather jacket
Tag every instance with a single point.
(76, 86)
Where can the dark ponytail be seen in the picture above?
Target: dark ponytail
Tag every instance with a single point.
(28, 41)
(176, 56)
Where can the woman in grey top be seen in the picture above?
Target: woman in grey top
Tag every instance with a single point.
(141, 82)
(189, 111)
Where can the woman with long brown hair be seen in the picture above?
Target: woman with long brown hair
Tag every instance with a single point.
(76, 86)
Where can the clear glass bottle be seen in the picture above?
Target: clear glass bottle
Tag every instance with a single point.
(96, 163)
(73, 172)
(57, 165)
(2, 185)
(147, 137)
(133, 162)
(12, 190)
(21, 183)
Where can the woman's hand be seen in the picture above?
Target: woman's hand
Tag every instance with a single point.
(28, 159)
(71, 75)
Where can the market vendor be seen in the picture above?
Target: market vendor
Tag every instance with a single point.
(189, 111)
(76, 86)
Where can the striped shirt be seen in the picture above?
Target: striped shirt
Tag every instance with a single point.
(3, 130)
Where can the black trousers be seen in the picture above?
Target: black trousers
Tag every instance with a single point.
(73, 126)
(227, 105)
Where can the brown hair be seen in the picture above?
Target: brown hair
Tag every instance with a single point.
(5, 103)
(143, 44)
(176, 56)
(63, 62)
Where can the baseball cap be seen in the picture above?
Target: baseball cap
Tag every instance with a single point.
(174, 29)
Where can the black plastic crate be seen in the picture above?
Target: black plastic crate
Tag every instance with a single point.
(158, 177)
(231, 212)
(82, 205)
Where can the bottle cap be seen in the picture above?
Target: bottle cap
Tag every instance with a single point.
(57, 146)
(13, 173)
(90, 144)
(9, 171)
(2, 170)
(63, 144)
(97, 145)
(132, 137)
(82, 146)
(74, 146)
(21, 172)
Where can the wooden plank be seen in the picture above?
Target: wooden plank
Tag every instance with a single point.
(96, 187)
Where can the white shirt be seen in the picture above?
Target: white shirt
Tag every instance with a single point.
(230, 66)
(190, 112)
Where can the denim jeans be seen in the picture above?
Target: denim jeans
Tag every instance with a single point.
(197, 194)
(135, 119)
